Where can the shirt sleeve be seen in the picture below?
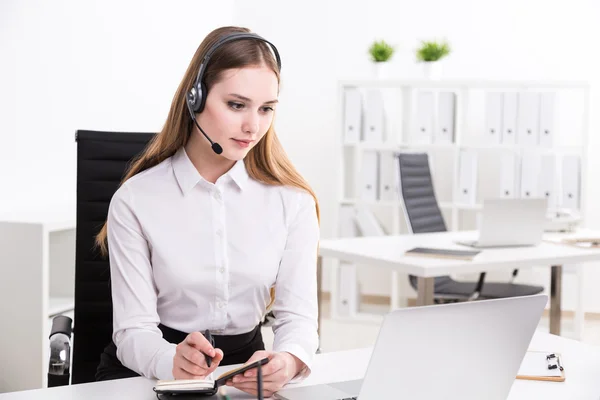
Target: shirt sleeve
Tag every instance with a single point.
(295, 307)
(139, 341)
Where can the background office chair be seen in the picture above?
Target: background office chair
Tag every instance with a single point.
(102, 159)
(423, 215)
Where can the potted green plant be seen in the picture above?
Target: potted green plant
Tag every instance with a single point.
(430, 53)
(380, 52)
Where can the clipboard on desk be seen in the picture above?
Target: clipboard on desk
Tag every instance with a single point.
(583, 242)
(576, 241)
(541, 366)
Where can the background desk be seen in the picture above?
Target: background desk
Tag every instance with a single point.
(37, 253)
(388, 252)
(581, 362)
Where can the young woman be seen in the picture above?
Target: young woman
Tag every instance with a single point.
(200, 241)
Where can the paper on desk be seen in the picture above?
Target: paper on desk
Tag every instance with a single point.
(187, 384)
(535, 364)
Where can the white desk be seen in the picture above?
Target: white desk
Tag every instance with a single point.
(581, 362)
(388, 252)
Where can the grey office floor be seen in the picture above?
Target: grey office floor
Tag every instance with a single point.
(344, 335)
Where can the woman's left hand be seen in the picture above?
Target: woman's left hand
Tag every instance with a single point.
(280, 369)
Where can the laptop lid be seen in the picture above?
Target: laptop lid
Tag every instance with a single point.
(512, 222)
(461, 351)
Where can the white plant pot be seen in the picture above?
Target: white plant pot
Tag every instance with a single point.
(432, 70)
(381, 70)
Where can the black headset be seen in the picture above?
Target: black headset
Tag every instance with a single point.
(196, 97)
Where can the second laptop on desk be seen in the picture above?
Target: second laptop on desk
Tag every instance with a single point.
(511, 223)
(504, 223)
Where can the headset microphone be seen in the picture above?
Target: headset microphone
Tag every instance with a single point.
(213, 145)
(216, 147)
(196, 97)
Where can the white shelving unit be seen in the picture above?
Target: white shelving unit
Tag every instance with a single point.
(571, 106)
(37, 255)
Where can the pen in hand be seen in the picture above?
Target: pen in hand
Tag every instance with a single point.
(259, 382)
(210, 339)
(186, 362)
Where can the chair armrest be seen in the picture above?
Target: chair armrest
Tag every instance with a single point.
(59, 364)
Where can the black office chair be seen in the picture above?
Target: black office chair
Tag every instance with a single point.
(102, 160)
(424, 216)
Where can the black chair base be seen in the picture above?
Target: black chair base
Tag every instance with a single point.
(449, 289)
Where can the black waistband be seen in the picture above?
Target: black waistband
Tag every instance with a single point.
(230, 344)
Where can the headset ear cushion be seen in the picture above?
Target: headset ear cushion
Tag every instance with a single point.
(201, 98)
(190, 98)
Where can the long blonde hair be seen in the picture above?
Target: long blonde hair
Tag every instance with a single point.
(267, 162)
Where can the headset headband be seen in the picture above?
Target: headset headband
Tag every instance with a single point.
(231, 38)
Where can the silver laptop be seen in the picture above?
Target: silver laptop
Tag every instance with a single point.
(466, 351)
(511, 223)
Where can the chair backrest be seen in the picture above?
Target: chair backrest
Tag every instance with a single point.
(102, 160)
(416, 186)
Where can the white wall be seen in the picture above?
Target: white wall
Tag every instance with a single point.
(100, 65)
(324, 41)
(68, 65)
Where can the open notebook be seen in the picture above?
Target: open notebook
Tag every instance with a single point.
(541, 366)
(208, 386)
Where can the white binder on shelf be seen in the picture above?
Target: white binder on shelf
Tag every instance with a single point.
(352, 115)
(467, 179)
(348, 291)
(367, 223)
(347, 223)
(571, 182)
(424, 118)
(369, 176)
(347, 298)
(374, 117)
(528, 119)
(509, 118)
(493, 117)
(388, 177)
(530, 171)
(509, 176)
(548, 181)
(446, 117)
(547, 119)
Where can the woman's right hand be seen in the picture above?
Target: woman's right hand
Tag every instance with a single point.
(189, 361)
